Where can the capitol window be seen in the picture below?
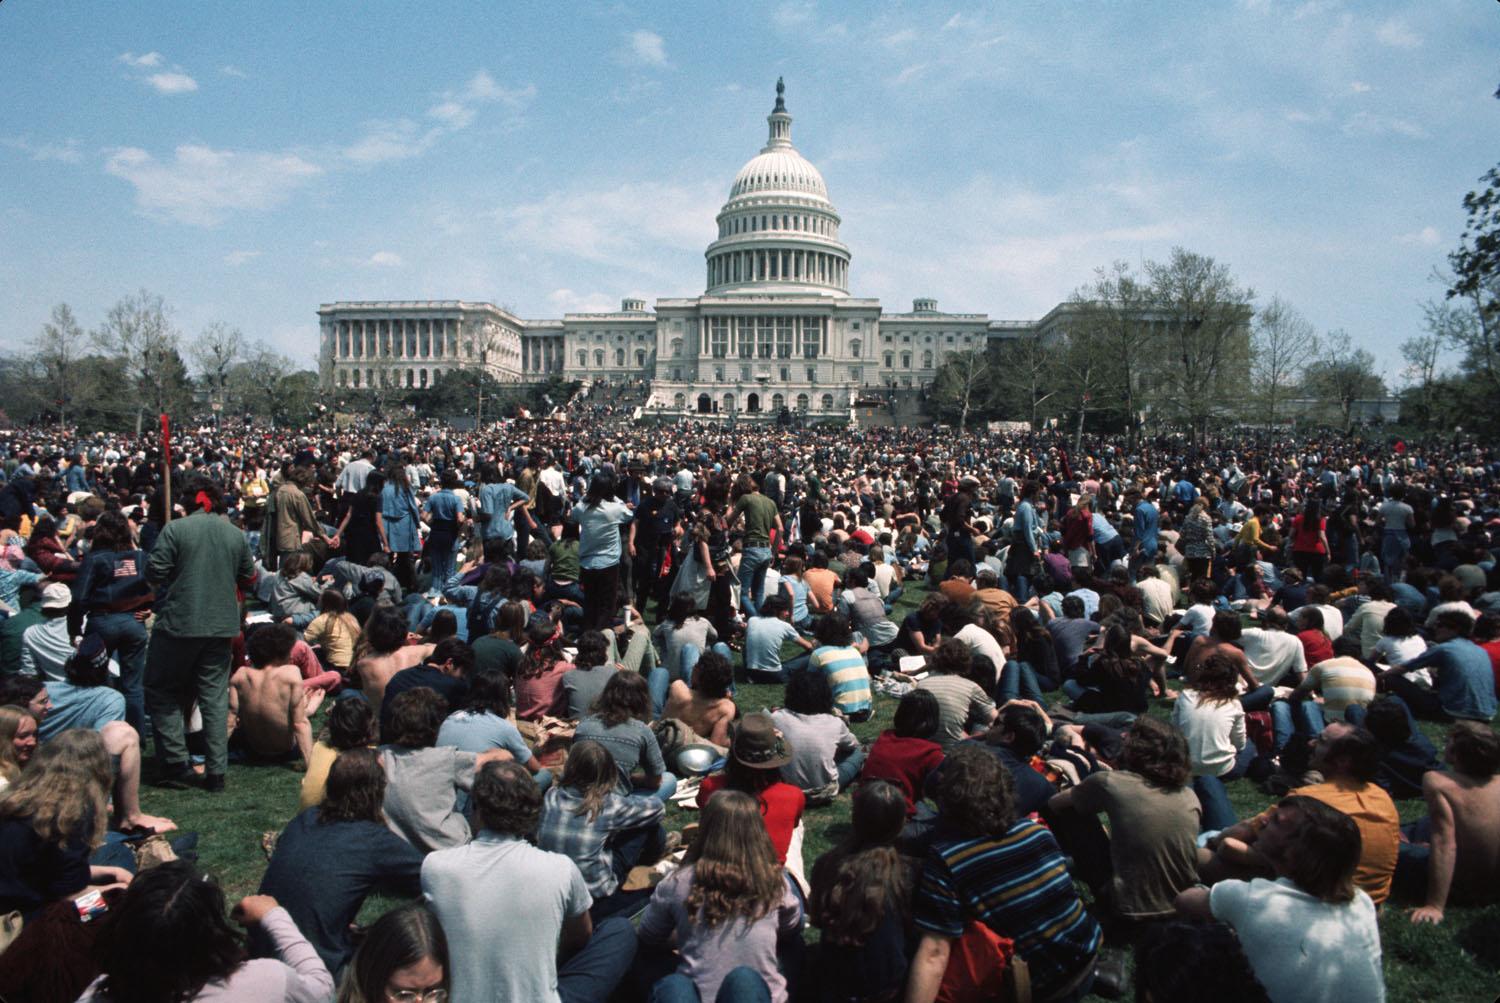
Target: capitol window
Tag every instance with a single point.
(926, 360)
(905, 360)
(676, 348)
(583, 359)
(854, 346)
(827, 402)
(619, 357)
(599, 358)
(890, 359)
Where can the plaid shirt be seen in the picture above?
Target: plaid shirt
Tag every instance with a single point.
(564, 830)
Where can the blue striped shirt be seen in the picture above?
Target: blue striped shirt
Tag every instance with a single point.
(848, 677)
(1018, 885)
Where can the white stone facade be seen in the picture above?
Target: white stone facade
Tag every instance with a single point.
(775, 328)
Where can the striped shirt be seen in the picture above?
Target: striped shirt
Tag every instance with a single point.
(1342, 681)
(1017, 885)
(847, 677)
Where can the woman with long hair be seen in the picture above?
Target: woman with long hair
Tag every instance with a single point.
(332, 856)
(46, 548)
(403, 959)
(334, 632)
(1210, 716)
(1310, 539)
(17, 742)
(757, 753)
(52, 819)
(1114, 680)
(1197, 540)
(604, 832)
(538, 679)
(861, 901)
(601, 519)
(167, 941)
(682, 637)
(727, 908)
(400, 514)
(112, 592)
(618, 720)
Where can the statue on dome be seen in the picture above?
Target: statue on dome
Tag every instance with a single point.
(780, 100)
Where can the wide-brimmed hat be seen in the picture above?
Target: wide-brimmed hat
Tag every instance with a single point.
(758, 745)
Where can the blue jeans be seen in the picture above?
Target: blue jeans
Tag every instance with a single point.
(659, 677)
(1072, 689)
(788, 666)
(662, 791)
(593, 973)
(1288, 718)
(442, 560)
(125, 637)
(1395, 544)
(753, 564)
(1259, 698)
(1218, 813)
(891, 596)
(742, 985)
(1019, 680)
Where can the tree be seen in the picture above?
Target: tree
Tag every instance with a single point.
(139, 335)
(215, 351)
(1113, 311)
(261, 380)
(1204, 322)
(1086, 374)
(59, 348)
(962, 384)
(1282, 346)
(1343, 375)
(1024, 378)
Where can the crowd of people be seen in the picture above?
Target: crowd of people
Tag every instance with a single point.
(509, 665)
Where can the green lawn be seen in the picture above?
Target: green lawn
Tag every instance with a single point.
(1459, 961)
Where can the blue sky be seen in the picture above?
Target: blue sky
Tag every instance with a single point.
(250, 161)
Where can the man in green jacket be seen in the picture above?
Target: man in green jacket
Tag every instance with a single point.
(197, 567)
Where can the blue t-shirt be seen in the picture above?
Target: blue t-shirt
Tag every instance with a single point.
(90, 707)
(471, 731)
(599, 533)
(444, 505)
(496, 500)
(1147, 527)
(764, 637)
(1465, 682)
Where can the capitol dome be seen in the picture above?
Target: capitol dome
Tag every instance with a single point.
(778, 232)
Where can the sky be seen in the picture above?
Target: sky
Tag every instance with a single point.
(249, 162)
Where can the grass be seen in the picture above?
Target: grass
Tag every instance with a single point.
(1457, 961)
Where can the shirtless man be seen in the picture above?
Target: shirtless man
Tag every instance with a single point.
(1221, 640)
(707, 707)
(267, 704)
(1462, 852)
(388, 654)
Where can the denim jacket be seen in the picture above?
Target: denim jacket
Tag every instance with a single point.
(110, 581)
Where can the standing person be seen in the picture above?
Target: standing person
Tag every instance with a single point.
(444, 514)
(1395, 541)
(1310, 540)
(657, 520)
(1146, 528)
(729, 909)
(600, 516)
(112, 592)
(761, 518)
(294, 523)
(399, 516)
(541, 946)
(1023, 559)
(501, 506)
(363, 527)
(1197, 540)
(197, 567)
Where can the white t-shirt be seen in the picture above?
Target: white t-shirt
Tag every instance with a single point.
(982, 642)
(1272, 654)
(1215, 732)
(1333, 620)
(1156, 594)
(1302, 949)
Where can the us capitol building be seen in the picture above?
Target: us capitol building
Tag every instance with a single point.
(774, 329)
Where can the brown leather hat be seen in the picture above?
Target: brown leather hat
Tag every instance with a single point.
(758, 745)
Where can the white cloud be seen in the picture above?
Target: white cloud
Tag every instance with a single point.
(1395, 33)
(482, 87)
(909, 73)
(202, 186)
(897, 39)
(144, 62)
(172, 82)
(647, 48)
(403, 138)
(1369, 124)
(621, 226)
(385, 259)
(453, 114)
(1359, 87)
(1428, 236)
(400, 139)
(237, 258)
(233, 71)
(561, 301)
(794, 14)
(66, 152)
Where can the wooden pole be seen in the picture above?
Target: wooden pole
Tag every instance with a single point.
(166, 467)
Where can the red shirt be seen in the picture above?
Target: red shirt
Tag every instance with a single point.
(780, 808)
(1492, 648)
(905, 762)
(1316, 646)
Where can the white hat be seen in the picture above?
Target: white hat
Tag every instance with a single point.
(57, 596)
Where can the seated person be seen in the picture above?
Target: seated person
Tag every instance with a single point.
(963, 706)
(267, 704)
(757, 753)
(1190, 962)
(330, 857)
(1464, 683)
(907, 753)
(826, 757)
(350, 724)
(483, 723)
(1406, 755)
(334, 630)
(706, 706)
(583, 683)
(765, 635)
(1017, 736)
(295, 596)
(619, 721)
(1311, 899)
(1348, 757)
(538, 680)
(385, 654)
(423, 782)
(840, 658)
(445, 671)
(1453, 855)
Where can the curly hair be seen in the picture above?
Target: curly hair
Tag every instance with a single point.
(735, 871)
(1322, 856)
(1157, 751)
(1182, 960)
(1214, 678)
(860, 879)
(350, 724)
(975, 794)
(416, 716)
(506, 800)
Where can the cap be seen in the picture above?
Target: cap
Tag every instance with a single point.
(57, 596)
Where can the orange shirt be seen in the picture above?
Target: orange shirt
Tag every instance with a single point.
(1379, 830)
(820, 585)
(957, 590)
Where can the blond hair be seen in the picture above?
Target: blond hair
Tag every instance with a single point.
(63, 793)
